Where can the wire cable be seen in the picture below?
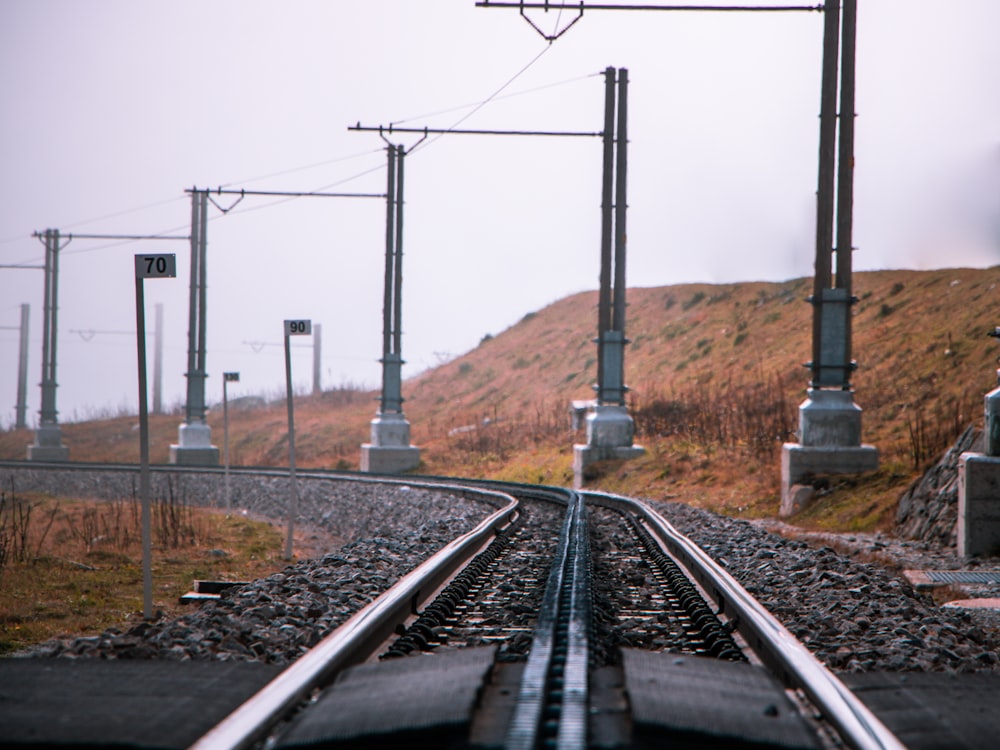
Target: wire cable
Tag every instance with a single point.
(424, 144)
(512, 95)
(292, 170)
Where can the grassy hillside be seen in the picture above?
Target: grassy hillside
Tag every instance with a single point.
(716, 376)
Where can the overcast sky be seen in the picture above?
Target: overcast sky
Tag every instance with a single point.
(112, 108)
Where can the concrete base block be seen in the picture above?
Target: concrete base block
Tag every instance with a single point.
(380, 459)
(799, 461)
(610, 426)
(48, 453)
(48, 445)
(181, 456)
(390, 430)
(829, 419)
(610, 431)
(389, 451)
(194, 446)
(584, 455)
(978, 528)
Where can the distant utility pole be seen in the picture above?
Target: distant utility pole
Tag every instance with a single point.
(392, 303)
(21, 405)
(610, 428)
(829, 419)
(390, 451)
(832, 299)
(48, 445)
(611, 302)
(22, 370)
(194, 444)
(317, 357)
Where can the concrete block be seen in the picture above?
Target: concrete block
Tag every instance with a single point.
(48, 453)
(378, 459)
(584, 455)
(991, 422)
(799, 461)
(194, 446)
(610, 431)
(829, 419)
(194, 435)
(610, 426)
(390, 430)
(181, 456)
(48, 445)
(978, 522)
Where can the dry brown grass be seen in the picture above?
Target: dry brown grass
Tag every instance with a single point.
(75, 566)
(716, 375)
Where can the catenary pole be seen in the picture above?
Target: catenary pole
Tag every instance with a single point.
(825, 186)
(397, 322)
(607, 219)
(621, 202)
(845, 177)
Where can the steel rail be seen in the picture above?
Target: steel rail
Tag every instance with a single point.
(781, 651)
(355, 640)
(559, 657)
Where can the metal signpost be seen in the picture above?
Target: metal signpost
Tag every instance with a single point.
(227, 377)
(146, 267)
(292, 328)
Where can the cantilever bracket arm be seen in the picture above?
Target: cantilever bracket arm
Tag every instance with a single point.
(228, 208)
(551, 37)
(390, 143)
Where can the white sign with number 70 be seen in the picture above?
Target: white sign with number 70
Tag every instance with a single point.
(155, 266)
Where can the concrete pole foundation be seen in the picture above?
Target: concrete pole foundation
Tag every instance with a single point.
(389, 451)
(48, 445)
(610, 432)
(978, 525)
(830, 443)
(194, 446)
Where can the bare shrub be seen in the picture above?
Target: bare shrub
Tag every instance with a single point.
(931, 435)
(499, 436)
(753, 416)
(173, 520)
(20, 539)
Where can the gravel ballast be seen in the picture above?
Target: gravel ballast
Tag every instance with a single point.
(853, 612)
(854, 615)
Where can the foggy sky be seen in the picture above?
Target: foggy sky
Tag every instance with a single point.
(111, 109)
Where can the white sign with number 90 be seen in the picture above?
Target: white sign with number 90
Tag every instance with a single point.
(298, 327)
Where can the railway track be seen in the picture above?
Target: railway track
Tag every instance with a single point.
(551, 654)
(553, 701)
